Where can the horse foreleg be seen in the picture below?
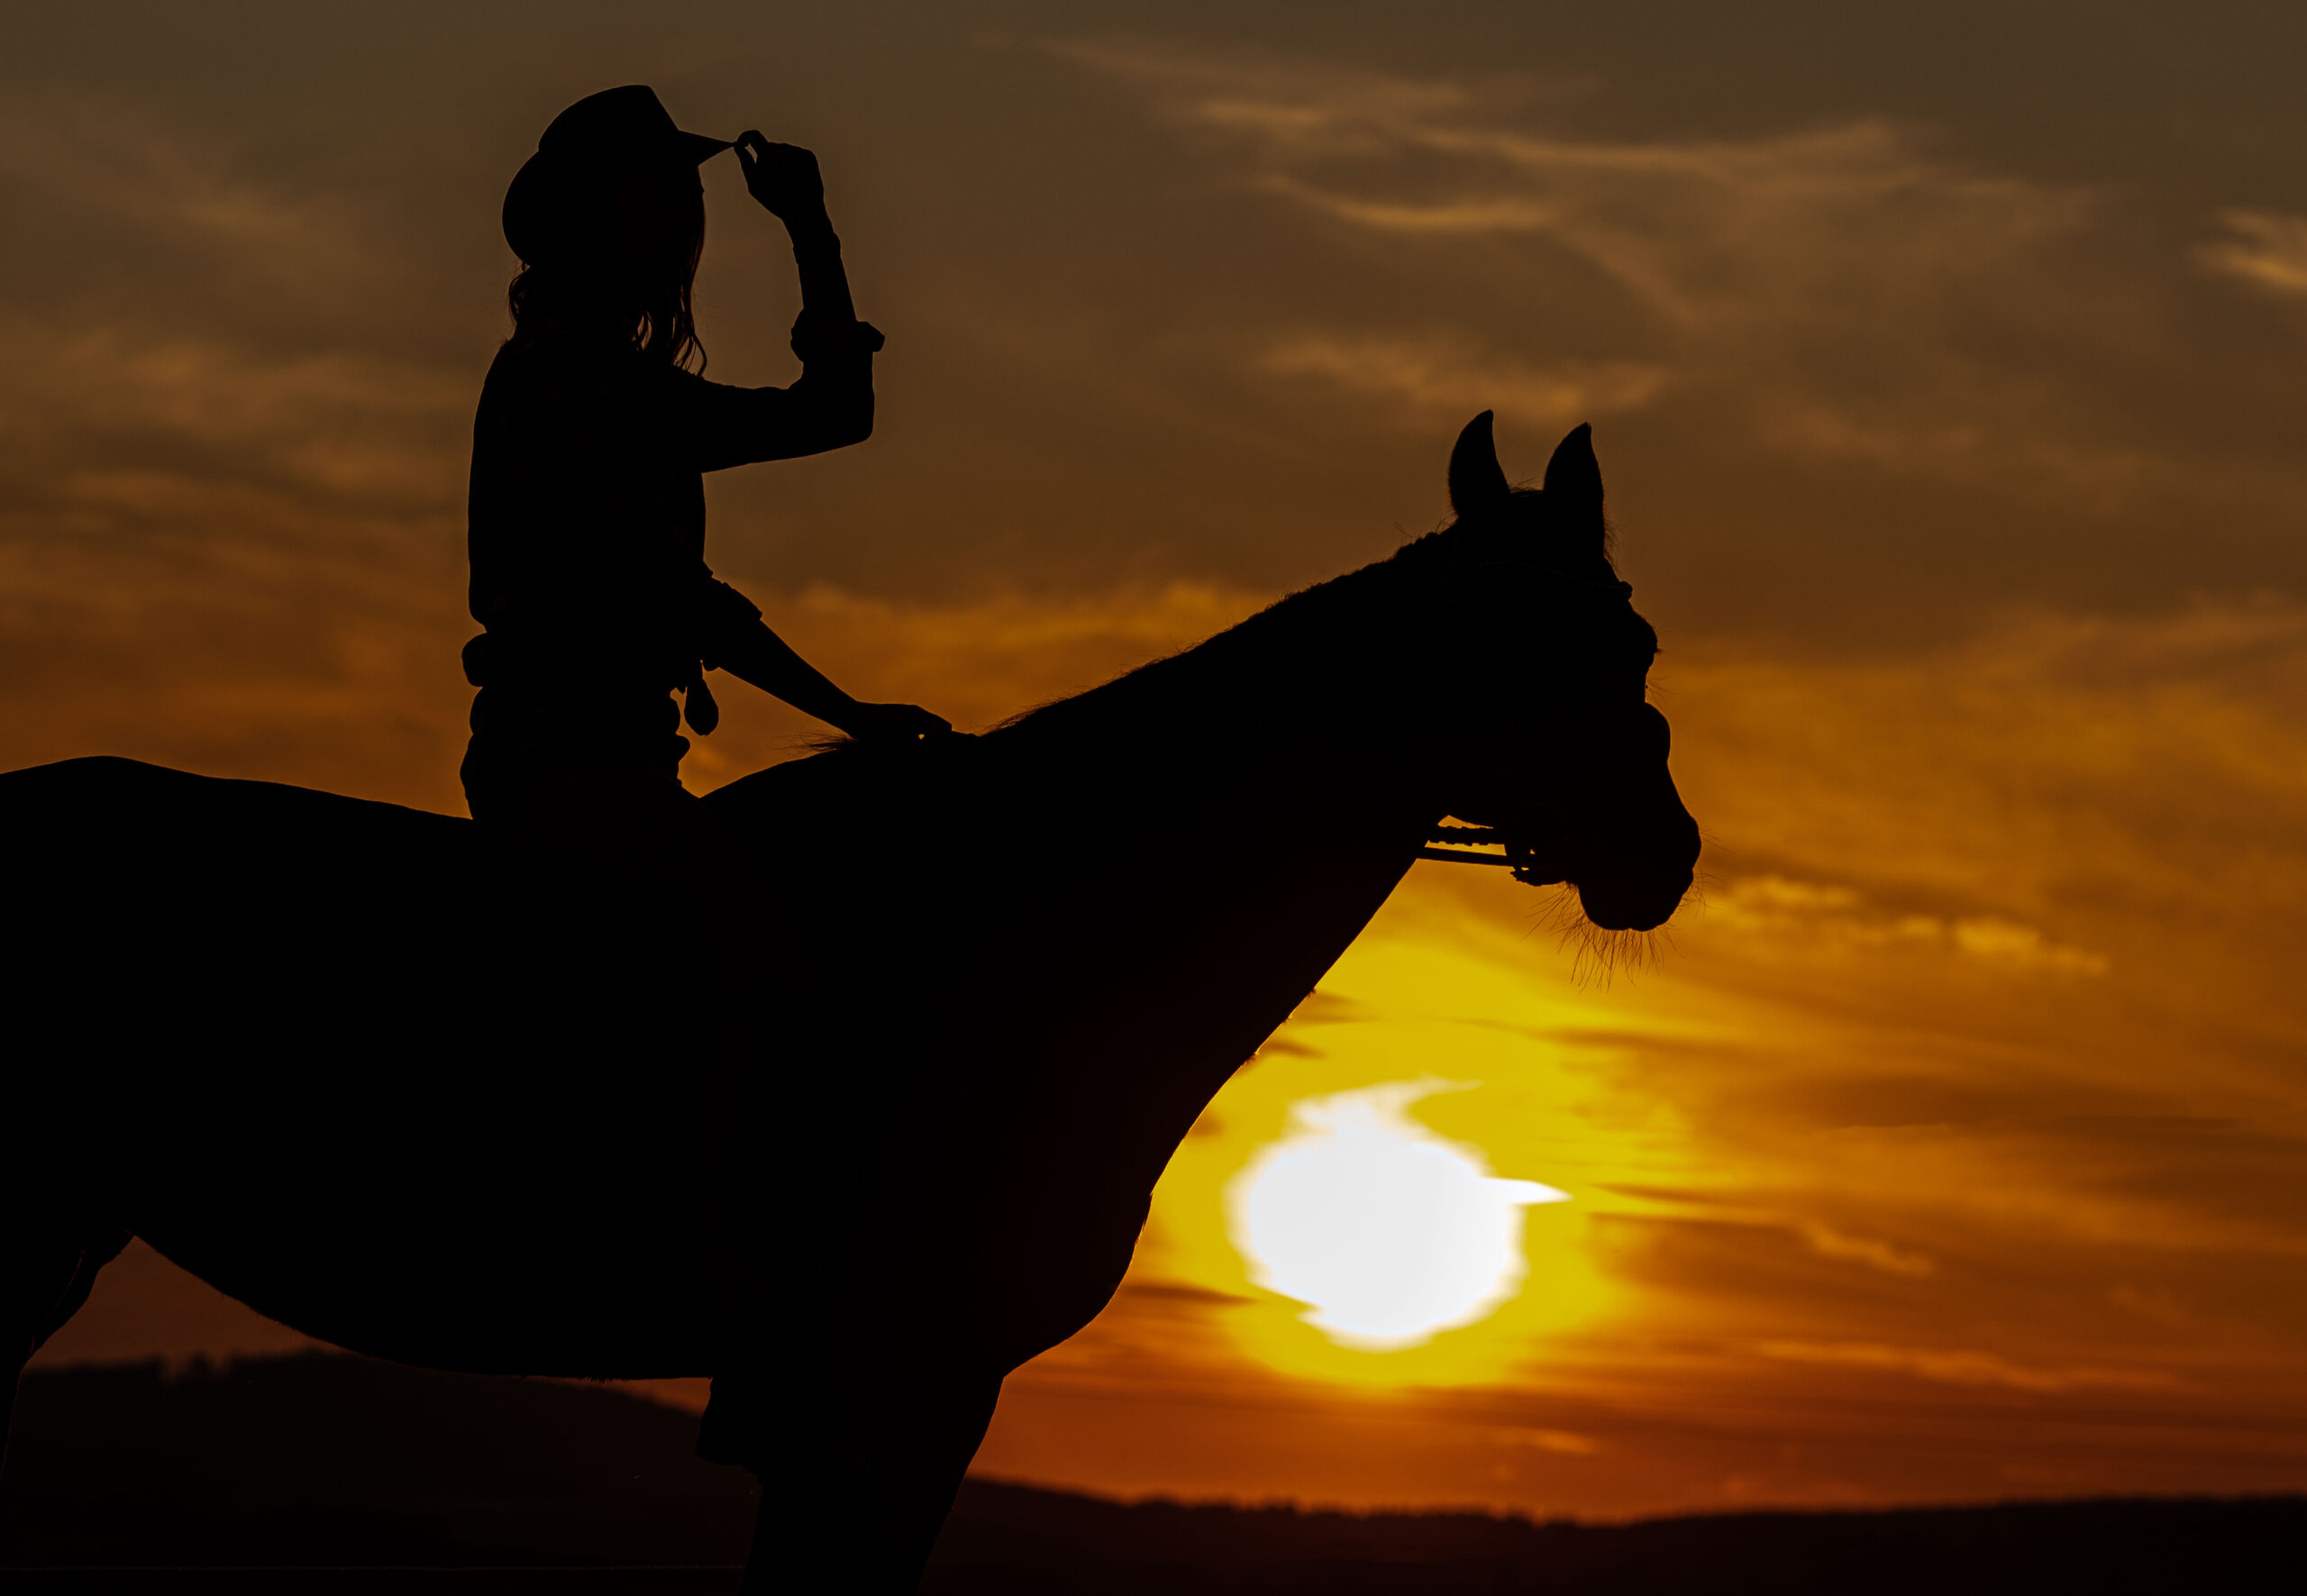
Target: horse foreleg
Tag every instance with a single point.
(46, 1272)
(857, 1511)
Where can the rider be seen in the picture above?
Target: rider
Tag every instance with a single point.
(589, 572)
(587, 505)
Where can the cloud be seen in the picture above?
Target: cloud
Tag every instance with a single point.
(2049, 766)
(231, 556)
(1442, 380)
(211, 388)
(1772, 906)
(231, 464)
(2266, 249)
(1711, 235)
(1819, 223)
(1963, 1366)
(189, 203)
(105, 423)
(1846, 291)
(1829, 1242)
(1566, 1443)
(186, 326)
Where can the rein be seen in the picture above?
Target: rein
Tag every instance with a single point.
(1455, 844)
(1463, 838)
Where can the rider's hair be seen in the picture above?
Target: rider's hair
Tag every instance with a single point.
(595, 287)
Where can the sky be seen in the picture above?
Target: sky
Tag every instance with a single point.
(1945, 366)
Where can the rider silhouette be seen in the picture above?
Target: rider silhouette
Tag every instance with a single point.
(588, 504)
(588, 574)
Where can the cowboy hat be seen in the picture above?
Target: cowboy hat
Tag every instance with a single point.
(582, 144)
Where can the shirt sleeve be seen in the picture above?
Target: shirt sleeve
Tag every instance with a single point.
(830, 408)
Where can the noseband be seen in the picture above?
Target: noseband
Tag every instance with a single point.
(1459, 838)
(1453, 844)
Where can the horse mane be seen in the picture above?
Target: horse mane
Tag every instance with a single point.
(1173, 691)
(1245, 652)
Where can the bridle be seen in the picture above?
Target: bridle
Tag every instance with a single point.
(1452, 845)
(1462, 837)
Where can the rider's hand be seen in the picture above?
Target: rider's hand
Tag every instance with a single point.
(784, 178)
(893, 723)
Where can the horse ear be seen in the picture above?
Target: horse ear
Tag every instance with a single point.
(1477, 483)
(1573, 485)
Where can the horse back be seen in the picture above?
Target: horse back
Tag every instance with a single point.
(351, 1065)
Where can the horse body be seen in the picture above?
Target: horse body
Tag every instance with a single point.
(375, 1080)
(359, 1121)
(297, 1067)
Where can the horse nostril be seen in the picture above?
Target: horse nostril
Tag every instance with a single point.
(1622, 906)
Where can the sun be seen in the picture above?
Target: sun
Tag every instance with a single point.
(1386, 1232)
(1336, 1207)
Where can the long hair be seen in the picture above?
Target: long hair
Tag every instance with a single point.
(593, 286)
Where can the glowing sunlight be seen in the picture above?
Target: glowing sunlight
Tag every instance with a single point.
(1386, 1231)
(1338, 1195)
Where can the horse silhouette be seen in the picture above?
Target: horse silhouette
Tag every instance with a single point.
(248, 1022)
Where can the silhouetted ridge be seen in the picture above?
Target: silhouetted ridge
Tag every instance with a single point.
(324, 1460)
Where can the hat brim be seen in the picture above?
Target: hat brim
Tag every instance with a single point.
(541, 189)
(700, 149)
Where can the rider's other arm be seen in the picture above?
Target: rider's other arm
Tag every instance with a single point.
(830, 408)
(760, 656)
(831, 405)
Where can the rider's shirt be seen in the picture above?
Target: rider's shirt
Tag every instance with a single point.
(587, 537)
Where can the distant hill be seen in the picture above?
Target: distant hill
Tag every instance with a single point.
(321, 1459)
(334, 1461)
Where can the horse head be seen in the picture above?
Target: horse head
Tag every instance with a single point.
(1551, 739)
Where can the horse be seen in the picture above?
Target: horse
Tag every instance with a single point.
(381, 1082)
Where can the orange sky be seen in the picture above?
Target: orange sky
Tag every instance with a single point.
(1945, 371)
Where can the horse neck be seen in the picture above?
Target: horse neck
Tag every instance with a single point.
(1243, 810)
(1314, 707)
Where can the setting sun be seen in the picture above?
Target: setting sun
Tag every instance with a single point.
(1386, 1231)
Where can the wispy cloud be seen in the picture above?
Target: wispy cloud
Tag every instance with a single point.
(1442, 380)
(2266, 249)
(1846, 291)
(1705, 232)
(2052, 763)
(193, 342)
(1773, 906)
(192, 200)
(1963, 1366)
(103, 417)
(1870, 1251)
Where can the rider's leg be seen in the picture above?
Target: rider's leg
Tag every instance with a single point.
(646, 848)
(860, 1452)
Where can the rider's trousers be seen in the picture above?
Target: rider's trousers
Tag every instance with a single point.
(632, 838)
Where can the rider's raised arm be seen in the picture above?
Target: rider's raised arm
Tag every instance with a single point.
(830, 408)
(831, 405)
